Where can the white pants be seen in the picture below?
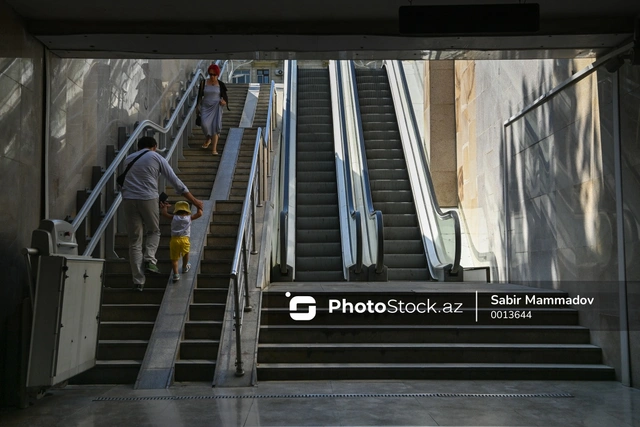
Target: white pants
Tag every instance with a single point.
(142, 215)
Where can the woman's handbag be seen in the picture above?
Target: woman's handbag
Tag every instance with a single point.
(198, 120)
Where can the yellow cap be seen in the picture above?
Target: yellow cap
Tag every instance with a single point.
(182, 206)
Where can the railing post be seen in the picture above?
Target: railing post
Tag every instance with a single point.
(247, 303)
(259, 180)
(81, 233)
(96, 209)
(109, 197)
(239, 368)
(122, 140)
(253, 223)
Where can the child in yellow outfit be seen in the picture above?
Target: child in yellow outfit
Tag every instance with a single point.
(180, 244)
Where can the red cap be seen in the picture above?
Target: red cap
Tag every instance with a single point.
(214, 68)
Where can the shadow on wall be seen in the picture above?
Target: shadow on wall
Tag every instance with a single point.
(561, 187)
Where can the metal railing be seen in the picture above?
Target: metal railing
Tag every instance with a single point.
(247, 227)
(353, 212)
(187, 101)
(416, 141)
(373, 213)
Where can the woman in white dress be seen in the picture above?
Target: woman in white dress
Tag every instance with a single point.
(212, 97)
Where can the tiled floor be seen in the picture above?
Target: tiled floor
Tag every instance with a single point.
(600, 404)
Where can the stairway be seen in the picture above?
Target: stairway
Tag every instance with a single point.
(390, 187)
(318, 248)
(199, 346)
(548, 345)
(128, 316)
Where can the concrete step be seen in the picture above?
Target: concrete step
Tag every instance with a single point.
(129, 312)
(194, 370)
(123, 266)
(391, 353)
(221, 227)
(215, 266)
(206, 311)
(216, 280)
(228, 217)
(129, 296)
(464, 316)
(199, 349)
(109, 372)
(202, 330)
(228, 206)
(122, 349)
(125, 281)
(219, 252)
(499, 334)
(220, 239)
(439, 371)
(126, 330)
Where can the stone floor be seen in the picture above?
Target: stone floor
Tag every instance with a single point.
(345, 403)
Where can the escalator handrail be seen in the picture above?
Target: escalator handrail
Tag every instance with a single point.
(284, 213)
(377, 214)
(415, 136)
(353, 212)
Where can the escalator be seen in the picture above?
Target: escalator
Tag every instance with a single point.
(318, 247)
(390, 187)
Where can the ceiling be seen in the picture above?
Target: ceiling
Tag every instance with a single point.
(302, 29)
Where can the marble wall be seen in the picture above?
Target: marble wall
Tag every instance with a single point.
(21, 127)
(630, 134)
(487, 93)
(557, 166)
(89, 100)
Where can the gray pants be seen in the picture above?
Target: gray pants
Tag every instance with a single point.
(142, 215)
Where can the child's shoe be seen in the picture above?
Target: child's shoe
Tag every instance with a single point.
(186, 268)
(176, 277)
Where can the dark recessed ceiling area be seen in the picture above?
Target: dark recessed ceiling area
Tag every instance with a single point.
(300, 29)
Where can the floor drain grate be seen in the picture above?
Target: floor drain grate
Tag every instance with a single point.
(331, 395)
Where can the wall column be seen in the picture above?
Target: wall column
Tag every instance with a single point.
(440, 129)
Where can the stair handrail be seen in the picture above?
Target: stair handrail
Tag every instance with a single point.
(287, 147)
(122, 154)
(414, 135)
(373, 213)
(353, 212)
(257, 175)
